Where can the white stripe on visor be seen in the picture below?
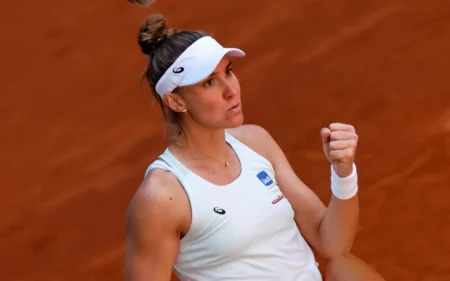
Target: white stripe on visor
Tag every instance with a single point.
(195, 64)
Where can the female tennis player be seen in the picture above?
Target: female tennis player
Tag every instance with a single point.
(222, 202)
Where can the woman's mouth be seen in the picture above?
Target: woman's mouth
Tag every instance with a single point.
(235, 108)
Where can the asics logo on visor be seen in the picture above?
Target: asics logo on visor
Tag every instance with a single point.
(178, 70)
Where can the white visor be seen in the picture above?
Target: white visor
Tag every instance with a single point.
(196, 63)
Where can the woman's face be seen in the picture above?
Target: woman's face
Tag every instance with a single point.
(215, 102)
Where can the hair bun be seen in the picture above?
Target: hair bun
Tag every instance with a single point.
(152, 32)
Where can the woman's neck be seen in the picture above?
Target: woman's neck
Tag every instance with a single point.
(204, 143)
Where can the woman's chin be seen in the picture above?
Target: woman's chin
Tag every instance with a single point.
(236, 121)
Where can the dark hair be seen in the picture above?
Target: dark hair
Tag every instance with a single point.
(163, 45)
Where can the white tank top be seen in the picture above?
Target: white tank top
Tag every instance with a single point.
(241, 231)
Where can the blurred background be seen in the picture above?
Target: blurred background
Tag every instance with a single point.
(78, 129)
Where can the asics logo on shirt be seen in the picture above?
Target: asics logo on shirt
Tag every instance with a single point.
(219, 211)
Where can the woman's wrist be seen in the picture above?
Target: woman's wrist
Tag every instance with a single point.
(344, 188)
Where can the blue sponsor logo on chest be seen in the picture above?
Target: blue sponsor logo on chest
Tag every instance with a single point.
(264, 178)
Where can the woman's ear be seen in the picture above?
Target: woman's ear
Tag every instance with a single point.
(174, 101)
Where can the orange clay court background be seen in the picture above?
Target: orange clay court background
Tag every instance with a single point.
(78, 130)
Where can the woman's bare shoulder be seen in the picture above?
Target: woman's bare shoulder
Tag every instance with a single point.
(247, 131)
(159, 198)
(254, 136)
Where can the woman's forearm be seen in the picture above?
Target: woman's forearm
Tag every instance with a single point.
(338, 226)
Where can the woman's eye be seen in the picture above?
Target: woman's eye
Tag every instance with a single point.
(229, 72)
(209, 83)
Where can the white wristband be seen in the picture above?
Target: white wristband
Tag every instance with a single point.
(344, 188)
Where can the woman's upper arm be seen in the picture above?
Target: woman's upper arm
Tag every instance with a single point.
(153, 229)
(309, 209)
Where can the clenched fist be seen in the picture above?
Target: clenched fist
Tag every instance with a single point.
(339, 144)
